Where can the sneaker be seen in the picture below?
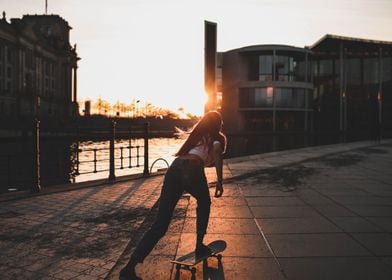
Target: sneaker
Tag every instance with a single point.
(128, 273)
(202, 250)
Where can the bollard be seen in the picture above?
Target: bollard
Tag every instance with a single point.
(146, 171)
(36, 187)
(112, 176)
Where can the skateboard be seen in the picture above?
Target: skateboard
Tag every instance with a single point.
(189, 260)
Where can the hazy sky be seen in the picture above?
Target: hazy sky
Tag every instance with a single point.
(152, 50)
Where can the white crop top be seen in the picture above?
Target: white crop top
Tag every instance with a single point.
(201, 150)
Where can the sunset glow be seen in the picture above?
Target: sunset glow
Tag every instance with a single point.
(153, 50)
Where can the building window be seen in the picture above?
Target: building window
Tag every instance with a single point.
(265, 67)
(256, 97)
(8, 54)
(387, 69)
(290, 97)
(29, 59)
(370, 71)
(260, 66)
(48, 69)
(353, 71)
(282, 68)
(290, 66)
(326, 68)
(261, 120)
(286, 120)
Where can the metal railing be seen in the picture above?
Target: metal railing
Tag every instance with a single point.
(112, 155)
(119, 157)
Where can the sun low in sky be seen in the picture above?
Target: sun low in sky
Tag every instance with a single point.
(152, 50)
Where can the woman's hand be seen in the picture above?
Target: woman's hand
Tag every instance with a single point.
(218, 189)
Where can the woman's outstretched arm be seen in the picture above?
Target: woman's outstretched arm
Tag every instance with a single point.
(217, 154)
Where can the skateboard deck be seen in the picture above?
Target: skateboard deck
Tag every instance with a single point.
(191, 259)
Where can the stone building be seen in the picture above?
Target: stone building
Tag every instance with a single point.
(38, 68)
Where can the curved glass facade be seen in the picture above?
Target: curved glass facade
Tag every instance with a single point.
(279, 66)
(275, 97)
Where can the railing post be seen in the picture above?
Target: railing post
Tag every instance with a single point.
(112, 175)
(146, 171)
(36, 187)
(8, 171)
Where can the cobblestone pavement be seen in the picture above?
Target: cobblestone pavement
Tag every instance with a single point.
(313, 213)
(77, 234)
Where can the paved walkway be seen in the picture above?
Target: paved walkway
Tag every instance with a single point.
(314, 213)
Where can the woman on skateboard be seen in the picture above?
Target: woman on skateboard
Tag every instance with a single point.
(204, 147)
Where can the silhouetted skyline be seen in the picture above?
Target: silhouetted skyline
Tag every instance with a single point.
(153, 50)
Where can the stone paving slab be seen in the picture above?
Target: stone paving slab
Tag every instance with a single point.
(314, 224)
(380, 244)
(224, 226)
(283, 211)
(327, 268)
(315, 245)
(355, 224)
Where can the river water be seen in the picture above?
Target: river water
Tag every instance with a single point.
(161, 151)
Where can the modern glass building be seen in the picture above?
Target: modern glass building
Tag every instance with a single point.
(352, 87)
(276, 97)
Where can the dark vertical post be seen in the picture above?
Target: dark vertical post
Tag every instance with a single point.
(36, 187)
(130, 147)
(210, 64)
(274, 135)
(342, 94)
(77, 158)
(112, 176)
(146, 171)
(379, 95)
(9, 170)
(306, 113)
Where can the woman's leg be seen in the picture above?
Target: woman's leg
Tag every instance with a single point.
(199, 189)
(170, 194)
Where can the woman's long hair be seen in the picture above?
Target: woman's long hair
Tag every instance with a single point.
(206, 131)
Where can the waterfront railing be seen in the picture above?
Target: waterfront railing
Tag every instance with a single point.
(141, 151)
(25, 165)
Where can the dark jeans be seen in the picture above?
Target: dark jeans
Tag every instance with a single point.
(183, 175)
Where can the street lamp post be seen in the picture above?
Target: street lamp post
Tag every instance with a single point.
(136, 108)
